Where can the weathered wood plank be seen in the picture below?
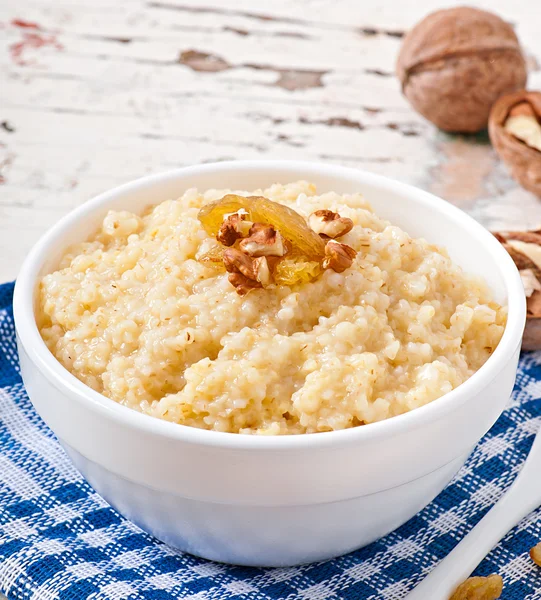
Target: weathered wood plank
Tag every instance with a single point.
(98, 93)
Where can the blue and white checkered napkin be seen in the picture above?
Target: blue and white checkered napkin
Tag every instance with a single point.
(59, 540)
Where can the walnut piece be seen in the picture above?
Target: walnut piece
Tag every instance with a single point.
(327, 223)
(535, 554)
(234, 227)
(515, 132)
(338, 257)
(455, 63)
(236, 261)
(523, 124)
(242, 284)
(525, 250)
(530, 282)
(263, 240)
(254, 272)
(479, 588)
(262, 271)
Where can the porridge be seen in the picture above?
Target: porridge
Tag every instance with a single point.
(304, 314)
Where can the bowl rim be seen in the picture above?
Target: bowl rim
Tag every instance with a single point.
(36, 349)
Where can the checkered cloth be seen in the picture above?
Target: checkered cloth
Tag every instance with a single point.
(59, 540)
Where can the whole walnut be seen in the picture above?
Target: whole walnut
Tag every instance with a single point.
(455, 63)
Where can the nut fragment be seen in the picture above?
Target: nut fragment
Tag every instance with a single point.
(523, 124)
(242, 284)
(255, 272)
(525, 250)
(515, 133)
(338, 257)
(479, 588)
(329, 224)
(535, 554)
(234, 227)
(530, 282)
(262, 271)
(236, 261)
(455, 63)
(263, 240)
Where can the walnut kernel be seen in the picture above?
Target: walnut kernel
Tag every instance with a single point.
(262, 271)
(242, 284)
(338, 257)
(264, 240)
(523, 124)
(329, 224)
(515, 133)
(255, 272)
(530, 282)
(234, 227)
(524, 248)
(236, 261)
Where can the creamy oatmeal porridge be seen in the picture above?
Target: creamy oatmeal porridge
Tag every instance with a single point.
(145, 313)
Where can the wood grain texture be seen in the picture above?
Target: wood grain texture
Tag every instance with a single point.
(93, 94)
(97, 93)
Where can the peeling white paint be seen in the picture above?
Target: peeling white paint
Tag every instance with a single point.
(105, 99)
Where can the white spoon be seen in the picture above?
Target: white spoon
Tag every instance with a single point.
(522, 498)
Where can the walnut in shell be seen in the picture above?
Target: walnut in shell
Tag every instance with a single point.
(455, 63)
(525, 250)
(515, 132)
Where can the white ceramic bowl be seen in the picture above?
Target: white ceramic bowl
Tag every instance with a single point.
(285, 500)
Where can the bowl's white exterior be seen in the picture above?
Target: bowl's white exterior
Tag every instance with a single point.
(272, 500)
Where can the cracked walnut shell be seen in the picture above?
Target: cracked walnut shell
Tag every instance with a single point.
(515, 132)
(525, 250)
(455, 63)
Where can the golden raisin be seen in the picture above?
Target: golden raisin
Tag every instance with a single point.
(214, 257)
(479, 588)
(291, 271)
(291, 225)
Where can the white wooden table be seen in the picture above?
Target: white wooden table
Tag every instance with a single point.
(93, 94)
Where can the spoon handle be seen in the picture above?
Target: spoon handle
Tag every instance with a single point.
(523, 497)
